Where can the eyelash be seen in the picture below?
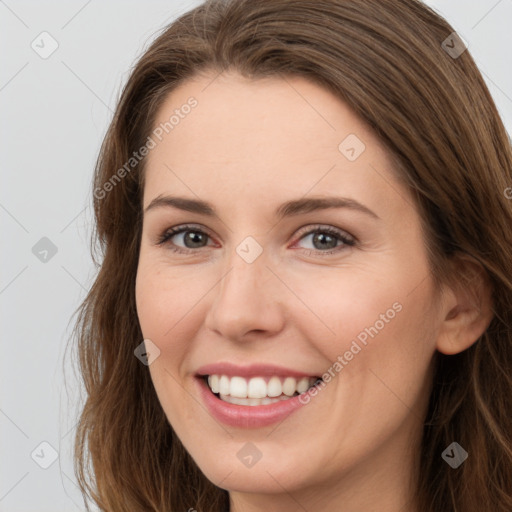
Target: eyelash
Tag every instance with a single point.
(347, 240)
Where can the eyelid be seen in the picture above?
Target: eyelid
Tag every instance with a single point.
(347, 240)
(180, 228)
(312, 228)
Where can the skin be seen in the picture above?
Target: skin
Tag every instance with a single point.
(247, 147)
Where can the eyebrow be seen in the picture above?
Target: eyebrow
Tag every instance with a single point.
(288, 209)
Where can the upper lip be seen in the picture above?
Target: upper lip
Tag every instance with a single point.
(253, 370)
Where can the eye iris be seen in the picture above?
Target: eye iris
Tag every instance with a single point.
(322, 238)
(195, 238)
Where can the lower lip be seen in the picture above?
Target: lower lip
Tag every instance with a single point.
(247, 416)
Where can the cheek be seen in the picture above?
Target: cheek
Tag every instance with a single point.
(342, 311)
(378, 354)
(346, 305)
(376, 329)
(171, 310)
(166, 298)
(165, 307)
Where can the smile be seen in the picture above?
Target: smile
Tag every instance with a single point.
(260, 390)
(252, 396)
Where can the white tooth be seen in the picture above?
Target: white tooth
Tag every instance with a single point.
(289, 386)
(257, 388)
(224, 385)
(251, 402)
(213, 381)
(274, 387)
(303, 384)
(238, 387)
(229, 399)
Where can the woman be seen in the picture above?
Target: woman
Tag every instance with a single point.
(304, 301)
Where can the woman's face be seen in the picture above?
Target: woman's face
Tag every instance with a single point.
(266, 285)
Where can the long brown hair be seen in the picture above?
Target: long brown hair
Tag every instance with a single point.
(388, 60)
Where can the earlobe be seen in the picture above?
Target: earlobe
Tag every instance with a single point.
(467, 307)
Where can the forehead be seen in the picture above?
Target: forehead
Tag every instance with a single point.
(259, 138)
(289, 114)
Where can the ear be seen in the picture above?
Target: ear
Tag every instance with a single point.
(466, 306)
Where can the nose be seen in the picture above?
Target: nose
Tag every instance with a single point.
(248, 301)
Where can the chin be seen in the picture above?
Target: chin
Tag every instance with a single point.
(265, 476)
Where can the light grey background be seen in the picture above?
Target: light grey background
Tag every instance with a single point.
(54, 113)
